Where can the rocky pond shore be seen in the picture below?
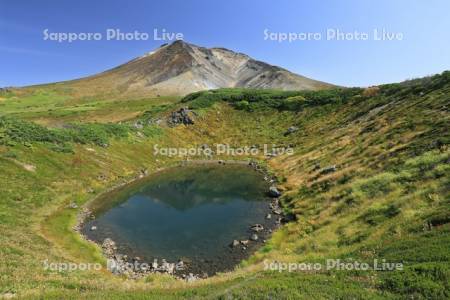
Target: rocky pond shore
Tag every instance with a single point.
(124, 261)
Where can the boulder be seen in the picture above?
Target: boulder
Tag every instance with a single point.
(170, 268)
(191, 278)
(235, 243)
(257, 228)
(277, 211)
(164, 265)
(101, 177)
(254, 237)
(183, 116)
(138, 125)
(114, 266)
(155, 264)
(274, 192)
(329, 169)
(291, 129)
(179, 266)
(107, 243)
(109, 247)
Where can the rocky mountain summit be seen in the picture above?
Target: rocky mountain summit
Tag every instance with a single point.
(181, 68)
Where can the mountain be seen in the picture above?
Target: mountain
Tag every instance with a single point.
(181, 68)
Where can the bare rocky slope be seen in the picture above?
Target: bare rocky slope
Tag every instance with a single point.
(181, 68)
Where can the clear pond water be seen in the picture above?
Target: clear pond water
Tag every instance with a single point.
(191, 213)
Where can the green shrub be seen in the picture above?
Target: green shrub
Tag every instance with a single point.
(242, 105)
(26, 133)
(267, 98)
(375, 216)
(295, 103)
(377, 185)
(427, 280)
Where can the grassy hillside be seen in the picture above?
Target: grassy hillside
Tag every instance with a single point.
(369, 179)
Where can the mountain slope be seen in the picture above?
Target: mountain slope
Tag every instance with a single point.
(181, 68)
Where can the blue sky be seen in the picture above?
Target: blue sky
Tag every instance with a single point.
(26, 58)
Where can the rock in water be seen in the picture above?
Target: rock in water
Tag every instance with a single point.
(235, 243)
(257, 228)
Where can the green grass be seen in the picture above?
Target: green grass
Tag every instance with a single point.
(54, 106)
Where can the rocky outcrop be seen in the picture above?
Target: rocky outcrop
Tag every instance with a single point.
(182, 116)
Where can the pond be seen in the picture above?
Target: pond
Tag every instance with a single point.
(190, 213)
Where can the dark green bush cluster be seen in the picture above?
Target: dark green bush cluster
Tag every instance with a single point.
(427, 281)
(18, 131)
(426, 259)
(98, 134)
(249, 99)
(417, 86)
(375, 216)
(205, 99)
(26, 132)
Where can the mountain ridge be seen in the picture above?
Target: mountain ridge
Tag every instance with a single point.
(181, 68)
